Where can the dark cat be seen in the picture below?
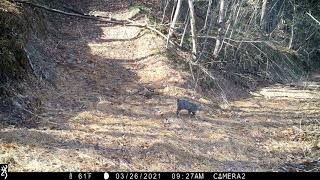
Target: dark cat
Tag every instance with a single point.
(190, 107)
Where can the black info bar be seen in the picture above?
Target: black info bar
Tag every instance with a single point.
(159, 175)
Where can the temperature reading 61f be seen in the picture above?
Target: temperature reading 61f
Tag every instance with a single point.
(80, 176)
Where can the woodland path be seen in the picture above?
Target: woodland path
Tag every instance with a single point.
(114, 110)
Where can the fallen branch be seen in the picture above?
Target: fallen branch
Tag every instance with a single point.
(86, 16)
(313, 18)
(237, 41)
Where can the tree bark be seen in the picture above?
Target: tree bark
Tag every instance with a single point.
(193, 28)
(204, 48)
(220, 30)
(312, 17)
(208, 13)
(186, 25)
(263, 14)
(175, 18)
(292, 26)
(164, 11)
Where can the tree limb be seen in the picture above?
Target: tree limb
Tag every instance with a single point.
(313, 18)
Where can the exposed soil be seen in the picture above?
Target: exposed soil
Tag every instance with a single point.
(113, 109)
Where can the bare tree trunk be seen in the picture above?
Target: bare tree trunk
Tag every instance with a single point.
(173, 10)
(220, 30)
(232, 6)
(164, 10)
(175, 18)
(193, 28)
(235, 19)
(186, 25)
(204, 48)
(275, 13)
(292, 26)
(208, 13)
(312, 17)
(263, 14)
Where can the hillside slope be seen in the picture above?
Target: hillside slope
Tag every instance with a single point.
(113, 109)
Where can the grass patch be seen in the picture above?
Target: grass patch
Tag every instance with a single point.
(83, 117)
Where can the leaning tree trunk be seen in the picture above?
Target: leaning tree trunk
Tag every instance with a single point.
(164, 11)
(186, 25)
(263, 14)
(204, 47)
(207, 16)
(193, 28)
(175, 18)
(292, 26)
(220, 30)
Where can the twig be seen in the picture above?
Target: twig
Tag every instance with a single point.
(246, 41)
(313, 18)
(86, 16)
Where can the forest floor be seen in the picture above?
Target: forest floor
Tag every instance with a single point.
(114, 110)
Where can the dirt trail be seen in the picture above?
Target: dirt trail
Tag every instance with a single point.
(114, 109)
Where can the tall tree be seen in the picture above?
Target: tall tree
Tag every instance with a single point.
(292, 25)
(186, 25)
(207, 16)
(220, 30)
(193, 28)
(174, 20)
(263, 14)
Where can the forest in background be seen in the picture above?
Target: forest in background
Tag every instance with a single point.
(248, 42)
